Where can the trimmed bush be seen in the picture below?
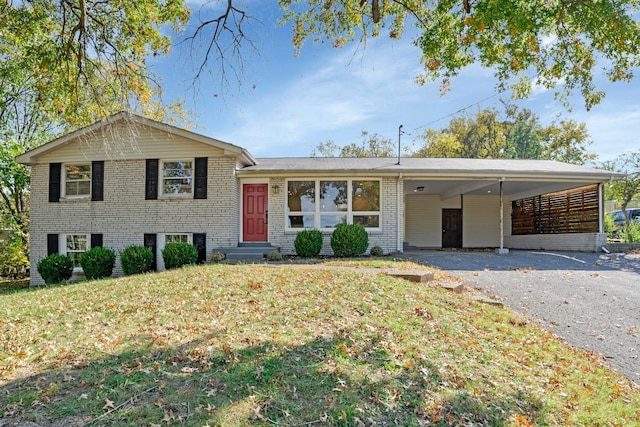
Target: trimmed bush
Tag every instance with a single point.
(176, 255)
(376, 251)
(274, 256)
(98, 262)
(136, 259)
(217, 257)
(55, 268)
(308, 243)
(349, 240)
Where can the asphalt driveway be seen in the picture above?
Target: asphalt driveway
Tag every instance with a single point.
(591, 300)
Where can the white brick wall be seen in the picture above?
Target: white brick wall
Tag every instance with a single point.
(582, 242)
(125, 216)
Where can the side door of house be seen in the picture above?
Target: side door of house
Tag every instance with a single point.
(255, 212)
(452, 228)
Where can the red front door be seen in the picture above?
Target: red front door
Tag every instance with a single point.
(255, 212)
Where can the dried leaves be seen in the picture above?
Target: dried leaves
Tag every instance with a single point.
(232, 344)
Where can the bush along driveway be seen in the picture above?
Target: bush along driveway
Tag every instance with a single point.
(591, 300)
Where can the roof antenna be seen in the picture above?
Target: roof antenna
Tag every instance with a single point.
(400, 132)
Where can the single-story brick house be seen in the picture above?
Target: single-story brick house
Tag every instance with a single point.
(129, 180)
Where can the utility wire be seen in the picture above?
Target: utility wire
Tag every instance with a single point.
(458, 111)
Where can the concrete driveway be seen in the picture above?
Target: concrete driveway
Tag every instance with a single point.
(591, 300)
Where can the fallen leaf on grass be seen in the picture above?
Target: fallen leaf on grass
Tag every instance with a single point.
(169, 416)
(108, 404)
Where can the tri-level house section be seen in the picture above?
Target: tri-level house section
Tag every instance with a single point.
(128, 180)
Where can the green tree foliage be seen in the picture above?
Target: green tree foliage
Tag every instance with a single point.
(515, 134)
(567, 141)
(556, 44)
(371, 146)
(624, 190)
(80, 60)
(14, 197)
(14, 258)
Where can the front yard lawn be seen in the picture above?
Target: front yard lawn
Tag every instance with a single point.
(263, 345)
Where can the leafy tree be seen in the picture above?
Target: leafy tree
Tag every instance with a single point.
(523, 142)
(523, 133)
(480, 136)
(560, 43)
(14, 192)
(567, 141)
(78, 58)
(370, 146)
(439, 144)
(624, 190)
(74, 50)
(514, 134)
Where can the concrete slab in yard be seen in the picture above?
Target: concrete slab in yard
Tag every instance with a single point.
(413, 276)
(453, 287)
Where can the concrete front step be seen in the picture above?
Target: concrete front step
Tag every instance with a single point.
(248, 251)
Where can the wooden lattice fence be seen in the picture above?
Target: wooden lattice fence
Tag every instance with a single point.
(572, 211)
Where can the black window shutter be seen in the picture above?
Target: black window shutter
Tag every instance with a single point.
(200, 191)
(52, 244)
(55, 172)
(151, 185)
(200, 242)
(96, 240)
(150, 241)
(97, 181)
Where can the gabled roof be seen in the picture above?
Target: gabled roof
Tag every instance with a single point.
(431, 167)
(30, 157)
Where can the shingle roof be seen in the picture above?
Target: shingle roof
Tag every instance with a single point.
(427, 167)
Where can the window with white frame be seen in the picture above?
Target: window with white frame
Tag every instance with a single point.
(177, 238)
(73, 245)
(177, 177)
(323, 204)
(77, 180)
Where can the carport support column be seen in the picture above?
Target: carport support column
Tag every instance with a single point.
(400, 215)
(502, 250)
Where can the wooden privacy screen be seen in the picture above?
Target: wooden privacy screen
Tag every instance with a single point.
(572, 211)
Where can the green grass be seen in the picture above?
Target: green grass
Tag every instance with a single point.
(258, 345)
(7, 286)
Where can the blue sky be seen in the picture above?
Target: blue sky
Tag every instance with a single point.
(286, 105)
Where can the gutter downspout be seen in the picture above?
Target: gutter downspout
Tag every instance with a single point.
(399, 245)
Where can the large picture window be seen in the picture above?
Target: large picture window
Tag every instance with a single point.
(77, 180)
(177, 177)
(323, 204)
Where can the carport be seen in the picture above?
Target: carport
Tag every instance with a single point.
(489, 203)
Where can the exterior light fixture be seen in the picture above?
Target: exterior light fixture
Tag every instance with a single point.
(420, 188)
(275, 188)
